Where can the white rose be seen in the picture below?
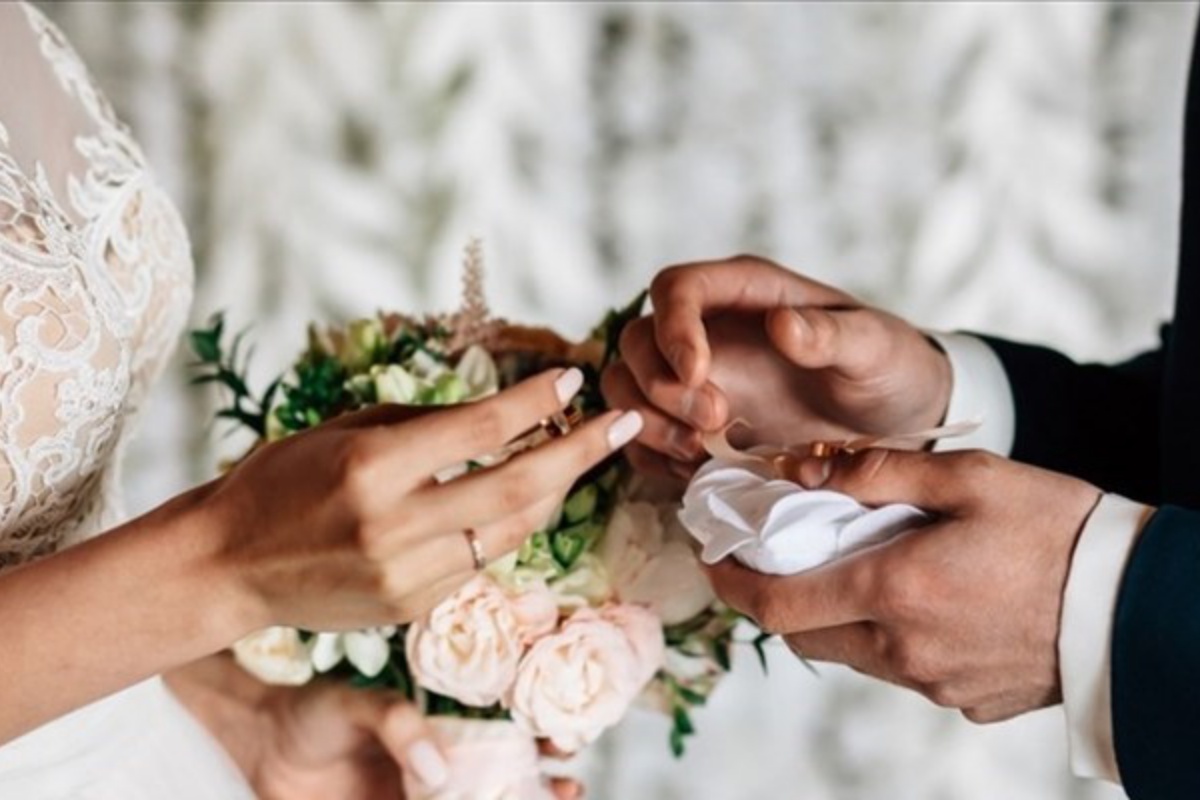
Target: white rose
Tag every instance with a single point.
(468, 647)
(574, 684)
(367, 650)
(653, 564)
(275, 655)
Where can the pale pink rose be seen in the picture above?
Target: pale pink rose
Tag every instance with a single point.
(486, 759)
(469, 646)
(645, 633)
(536, 610)
(574, 684)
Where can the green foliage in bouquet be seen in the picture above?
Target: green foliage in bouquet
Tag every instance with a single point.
(446, 360)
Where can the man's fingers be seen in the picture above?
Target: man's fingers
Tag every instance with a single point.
(851, 341)
(684, 295)
(936, 482)
(859, 645)
(661, 432)
(826, 597)
(701, 406)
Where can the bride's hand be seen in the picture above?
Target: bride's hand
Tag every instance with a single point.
(322, 740)
(798, 360)
(344, 526)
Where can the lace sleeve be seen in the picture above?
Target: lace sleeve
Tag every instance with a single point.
(95, 280)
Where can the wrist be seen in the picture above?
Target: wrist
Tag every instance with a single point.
(199, 533)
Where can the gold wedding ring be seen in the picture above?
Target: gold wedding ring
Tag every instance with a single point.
(477, 553)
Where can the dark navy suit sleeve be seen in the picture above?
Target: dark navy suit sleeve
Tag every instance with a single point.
(1156, 661)
(1099, 423)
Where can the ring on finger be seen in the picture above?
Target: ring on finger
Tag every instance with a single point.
(477, 553)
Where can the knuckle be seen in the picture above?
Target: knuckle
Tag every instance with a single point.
(767, 611)
(485, 426)
(910, 663)
(978, 716)
(863, 468)
(900, 595)
(634, 335)
(356, 470)
(520, 488)
(752, 259)
(942, 694)
(666, 281)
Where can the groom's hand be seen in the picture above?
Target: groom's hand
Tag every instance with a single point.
(964, 610)
(798, 360)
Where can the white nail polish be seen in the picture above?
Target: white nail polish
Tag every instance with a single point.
(568, 384)
(428, 764)
(624, 429)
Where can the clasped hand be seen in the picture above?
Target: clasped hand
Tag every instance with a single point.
(965, 609)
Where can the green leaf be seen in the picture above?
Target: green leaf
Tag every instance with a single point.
(581, 505)
(568, 545)
(758, 643)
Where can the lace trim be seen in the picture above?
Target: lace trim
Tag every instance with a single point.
(92, 301)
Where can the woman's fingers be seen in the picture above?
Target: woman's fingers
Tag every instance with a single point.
(401, 729)
(458, 434)
(661, 433)
(510, 489)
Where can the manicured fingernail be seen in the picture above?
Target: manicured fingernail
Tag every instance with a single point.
(568, 384)
(626, 427)
(428, 764)
(814, 472)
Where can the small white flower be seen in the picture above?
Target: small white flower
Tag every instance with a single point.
(394, 384)
(367, 650)
(478, 371)
(587, 584)
(276, 656)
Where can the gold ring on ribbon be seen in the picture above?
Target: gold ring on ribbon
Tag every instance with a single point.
(476, 546)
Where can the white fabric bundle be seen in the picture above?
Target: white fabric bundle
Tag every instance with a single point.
(777, 527)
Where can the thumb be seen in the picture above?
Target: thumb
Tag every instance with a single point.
(818, 338)
(936, 482)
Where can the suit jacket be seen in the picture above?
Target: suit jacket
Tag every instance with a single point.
(1135, 429)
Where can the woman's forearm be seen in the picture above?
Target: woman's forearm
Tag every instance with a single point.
(140, 600)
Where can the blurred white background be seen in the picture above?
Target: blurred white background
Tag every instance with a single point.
(1003, 167)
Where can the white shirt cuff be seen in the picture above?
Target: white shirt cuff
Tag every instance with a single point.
(1085, 634)
(980, 390)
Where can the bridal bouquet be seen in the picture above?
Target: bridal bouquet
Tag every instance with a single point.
(604, 604)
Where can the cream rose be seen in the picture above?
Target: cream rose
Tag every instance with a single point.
(275, 655)
(536, 610)
(650, 561)
(469, 646)
(574, 684)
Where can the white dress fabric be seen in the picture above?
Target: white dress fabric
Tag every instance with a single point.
(95, 285)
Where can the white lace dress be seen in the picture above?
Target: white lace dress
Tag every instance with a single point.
(95, 283)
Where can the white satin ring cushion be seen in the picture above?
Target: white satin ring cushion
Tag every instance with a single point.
(778, 527)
